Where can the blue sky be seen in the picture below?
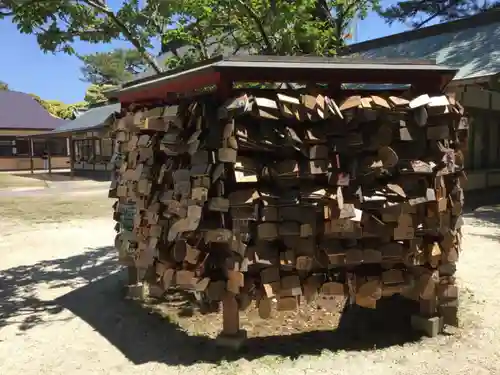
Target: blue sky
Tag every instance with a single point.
(25, 68)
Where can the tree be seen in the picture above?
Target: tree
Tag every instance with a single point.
(62, 110)
(280, 27)
(4, 86)
(95, 93)
(58, 108)
(208, 27)
(419, 13)
(112, 68)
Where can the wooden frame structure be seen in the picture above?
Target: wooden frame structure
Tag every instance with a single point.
(90, 146)
(29, 158)
(221, 74)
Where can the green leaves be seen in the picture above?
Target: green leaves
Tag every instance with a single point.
(279, 27)
(60, 109)
(95, 93)
(113, 68)
(203, 28)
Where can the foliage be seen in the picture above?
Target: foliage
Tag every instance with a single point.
(59, 109)
(94, 94)
(112, 68)
(419, 13)
(279, 27)
(206, 27)
(62, 110)
(3, 86)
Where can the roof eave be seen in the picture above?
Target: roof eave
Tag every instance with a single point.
(161, 80)
(280, 69)
(67, 133)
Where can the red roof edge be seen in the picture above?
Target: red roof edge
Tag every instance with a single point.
(181, 85)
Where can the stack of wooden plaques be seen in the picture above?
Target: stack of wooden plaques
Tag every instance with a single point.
(288, 198)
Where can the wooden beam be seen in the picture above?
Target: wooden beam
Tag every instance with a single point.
(230, 315)
(132, 275)
(71, 157)
(30, 141)
(49, 156)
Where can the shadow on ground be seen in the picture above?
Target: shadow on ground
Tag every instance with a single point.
(54, 176)
(490, 214)
(144, 336)
(64, 175)
(483, 205)
(19, 302)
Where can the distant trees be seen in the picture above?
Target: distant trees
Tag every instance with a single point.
(60, 109)
(112, 68)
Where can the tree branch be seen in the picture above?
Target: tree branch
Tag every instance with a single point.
(260, 26)
(126, 32)
(427, 20)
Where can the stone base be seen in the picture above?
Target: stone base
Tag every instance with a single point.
(431, 327)
(134, 291)
(233, 342)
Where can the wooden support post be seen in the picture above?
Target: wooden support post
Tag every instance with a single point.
(132, 275)
(427, 321)
(71, 157)
(49, 156)
(428, 308)
(230, 315)
(231, 336)
(30, 140)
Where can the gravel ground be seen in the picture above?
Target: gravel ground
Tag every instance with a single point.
(58, 315)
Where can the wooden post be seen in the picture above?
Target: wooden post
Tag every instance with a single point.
(49, 156)
(132, 275)
(231, 337)
(230, 315)
(30, 140)
(71, 157)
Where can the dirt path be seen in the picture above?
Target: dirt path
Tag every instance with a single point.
(57, 316)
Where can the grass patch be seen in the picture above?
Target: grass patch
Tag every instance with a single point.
(8, 181)
(55, 176)
(54, 209)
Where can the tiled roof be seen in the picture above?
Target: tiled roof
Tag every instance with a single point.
(471, 45)
(91, 119)
(20, 111)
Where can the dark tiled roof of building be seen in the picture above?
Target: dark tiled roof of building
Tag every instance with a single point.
(20, 111)
(470, 44)
(93, 118)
